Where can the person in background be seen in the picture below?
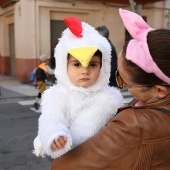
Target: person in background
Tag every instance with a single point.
(104, 31)
(81, 102)
(41, 74)
(54, 80)
(138, 137)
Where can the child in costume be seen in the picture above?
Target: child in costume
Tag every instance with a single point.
(81, 102)
(41, 74)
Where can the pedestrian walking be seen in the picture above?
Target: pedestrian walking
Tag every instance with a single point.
(104, 31)
(41, 74)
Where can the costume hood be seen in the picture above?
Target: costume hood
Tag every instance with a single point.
(80, 34)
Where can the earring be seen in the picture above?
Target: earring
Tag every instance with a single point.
(158, 97)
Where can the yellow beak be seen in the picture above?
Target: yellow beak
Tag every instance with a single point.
(83, 54)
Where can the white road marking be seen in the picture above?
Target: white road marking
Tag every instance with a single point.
(31, 103)
(26, 102)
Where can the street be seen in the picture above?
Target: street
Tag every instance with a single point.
(18, 128)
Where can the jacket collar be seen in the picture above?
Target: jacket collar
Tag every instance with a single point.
(162, 103)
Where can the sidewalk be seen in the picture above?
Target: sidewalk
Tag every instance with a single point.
(12, 90)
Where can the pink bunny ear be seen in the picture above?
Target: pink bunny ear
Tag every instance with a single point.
(135, 24)
(75, 26)
(137, 49)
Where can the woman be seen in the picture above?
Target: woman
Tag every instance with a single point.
(138, 137)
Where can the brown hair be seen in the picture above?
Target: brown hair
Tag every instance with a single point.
(159, 47)
(98, 53)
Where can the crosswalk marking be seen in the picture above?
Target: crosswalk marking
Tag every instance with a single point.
(127, 97)
(26, 102)
(127, 100)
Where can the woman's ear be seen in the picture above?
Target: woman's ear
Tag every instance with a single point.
(162, 91)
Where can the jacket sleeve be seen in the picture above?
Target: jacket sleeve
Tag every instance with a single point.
(49, 70)
(118, 138)
(52, 124)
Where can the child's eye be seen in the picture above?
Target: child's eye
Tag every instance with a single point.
(92, 64)
(76, 64)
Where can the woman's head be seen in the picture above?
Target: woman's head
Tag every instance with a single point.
(159, 45)
(145, 87)
(138, 50)
(144, 60)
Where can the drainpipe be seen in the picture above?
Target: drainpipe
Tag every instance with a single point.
(135, 7)
(168, 16)
(132, 5)
(35, 36)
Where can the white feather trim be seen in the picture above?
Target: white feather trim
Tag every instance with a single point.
(39, 151)
(59, 152)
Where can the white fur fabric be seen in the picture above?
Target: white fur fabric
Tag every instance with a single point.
(75, 115)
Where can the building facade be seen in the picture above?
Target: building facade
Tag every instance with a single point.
(29, 28)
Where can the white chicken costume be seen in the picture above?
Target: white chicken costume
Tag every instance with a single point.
(75, 112)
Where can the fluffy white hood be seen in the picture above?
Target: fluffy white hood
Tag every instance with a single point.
(91, 38)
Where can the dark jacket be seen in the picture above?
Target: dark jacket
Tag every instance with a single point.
(137, 138)
(41, 72)
(112, 80)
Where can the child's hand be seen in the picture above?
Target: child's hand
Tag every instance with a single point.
(58, 143)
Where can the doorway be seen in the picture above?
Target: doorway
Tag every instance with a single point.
(57, 27)
(12, 49)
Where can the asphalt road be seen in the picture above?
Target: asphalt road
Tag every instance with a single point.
(18, 128)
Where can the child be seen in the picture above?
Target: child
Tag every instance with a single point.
(41, 75)
(82, 102)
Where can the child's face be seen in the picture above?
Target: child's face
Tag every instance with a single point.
(81, 76)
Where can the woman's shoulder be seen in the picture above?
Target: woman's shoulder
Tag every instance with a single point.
(127, 113)
(132, 111)
(147, 116)
(130, 114)
(145, 110)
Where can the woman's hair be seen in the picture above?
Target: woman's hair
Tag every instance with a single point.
(104, 30)
(98, 53)
(159, 47)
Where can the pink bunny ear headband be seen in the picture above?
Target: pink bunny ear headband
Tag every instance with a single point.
(137, 49)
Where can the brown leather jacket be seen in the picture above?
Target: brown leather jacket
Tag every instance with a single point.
(138, 138)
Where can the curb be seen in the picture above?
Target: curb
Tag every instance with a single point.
(16, 99)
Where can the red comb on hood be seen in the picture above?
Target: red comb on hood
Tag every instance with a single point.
(75, 26)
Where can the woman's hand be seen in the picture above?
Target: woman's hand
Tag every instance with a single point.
(58, 143)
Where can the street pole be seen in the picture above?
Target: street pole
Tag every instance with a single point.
(132, 5)
(135, 8)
